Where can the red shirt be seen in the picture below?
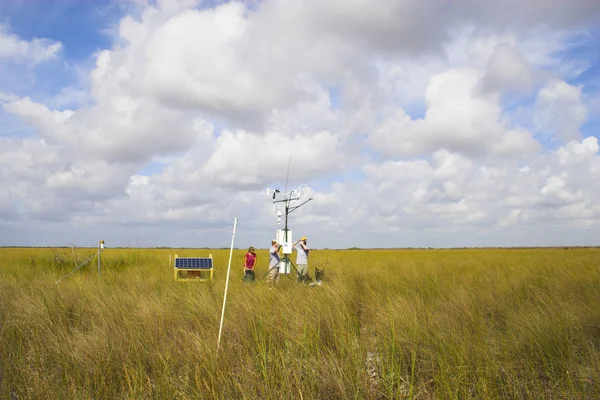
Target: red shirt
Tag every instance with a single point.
(250, 260)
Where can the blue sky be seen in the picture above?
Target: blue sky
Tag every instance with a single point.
(257, 73)
(82, 26)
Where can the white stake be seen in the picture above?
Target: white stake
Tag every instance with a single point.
(226, 285)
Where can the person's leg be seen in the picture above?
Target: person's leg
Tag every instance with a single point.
(302, 272)
(273, 274)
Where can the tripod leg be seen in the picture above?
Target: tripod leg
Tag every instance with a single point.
(269, 270)
(293, 266)
(301, 277)
(267, 273)
(80, 265)
(104, 266)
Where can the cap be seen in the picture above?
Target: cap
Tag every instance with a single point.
(251, 248)
(273, 241)
(303, 238)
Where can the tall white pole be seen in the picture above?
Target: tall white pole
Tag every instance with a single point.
(99, 249)
(226, 285)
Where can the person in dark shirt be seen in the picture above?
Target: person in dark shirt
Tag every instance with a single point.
(249, 263)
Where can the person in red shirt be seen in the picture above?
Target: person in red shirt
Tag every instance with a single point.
(249, 263)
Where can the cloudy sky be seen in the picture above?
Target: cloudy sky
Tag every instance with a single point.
(429, 123)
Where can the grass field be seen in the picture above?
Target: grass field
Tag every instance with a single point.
(416, 324)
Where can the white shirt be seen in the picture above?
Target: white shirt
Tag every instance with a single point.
(302, 257)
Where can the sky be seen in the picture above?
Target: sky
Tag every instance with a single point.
(430, 123)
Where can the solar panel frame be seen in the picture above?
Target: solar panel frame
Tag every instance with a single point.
(193, 263)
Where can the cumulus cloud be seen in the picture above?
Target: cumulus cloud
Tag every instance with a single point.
(560, 110)
(507, 70)
(16, 49)
(455, 194)
(394, 113)
(458, 118)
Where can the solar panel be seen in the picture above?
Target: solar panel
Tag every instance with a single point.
(193, 263)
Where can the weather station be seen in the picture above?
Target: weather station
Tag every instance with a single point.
(284, 204)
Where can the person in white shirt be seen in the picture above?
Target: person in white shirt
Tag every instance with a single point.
(302, 251)
(274, 262)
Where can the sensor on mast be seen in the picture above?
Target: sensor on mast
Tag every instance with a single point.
(284, 236)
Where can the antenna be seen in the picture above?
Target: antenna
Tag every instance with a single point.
(288, 174)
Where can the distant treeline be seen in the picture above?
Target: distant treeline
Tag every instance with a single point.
(324, 248)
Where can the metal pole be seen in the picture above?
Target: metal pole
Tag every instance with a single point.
(99, 243)
(226, 285)
(287, 270)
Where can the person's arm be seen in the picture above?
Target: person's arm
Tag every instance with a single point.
(254, 263)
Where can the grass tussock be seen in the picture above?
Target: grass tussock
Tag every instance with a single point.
(405, 324)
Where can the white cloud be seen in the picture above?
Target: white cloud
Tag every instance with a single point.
(47, 122)
(193, 111)
(16, 49)
(506, 70)
(560, 110)
(458, 118)
(576, 152)
(454, 193)
(242, 159)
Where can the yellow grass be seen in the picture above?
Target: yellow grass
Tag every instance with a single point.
(421, 324)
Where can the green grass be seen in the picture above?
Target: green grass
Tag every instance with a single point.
(386, 324)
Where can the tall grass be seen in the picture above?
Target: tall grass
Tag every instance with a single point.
(393, 324)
